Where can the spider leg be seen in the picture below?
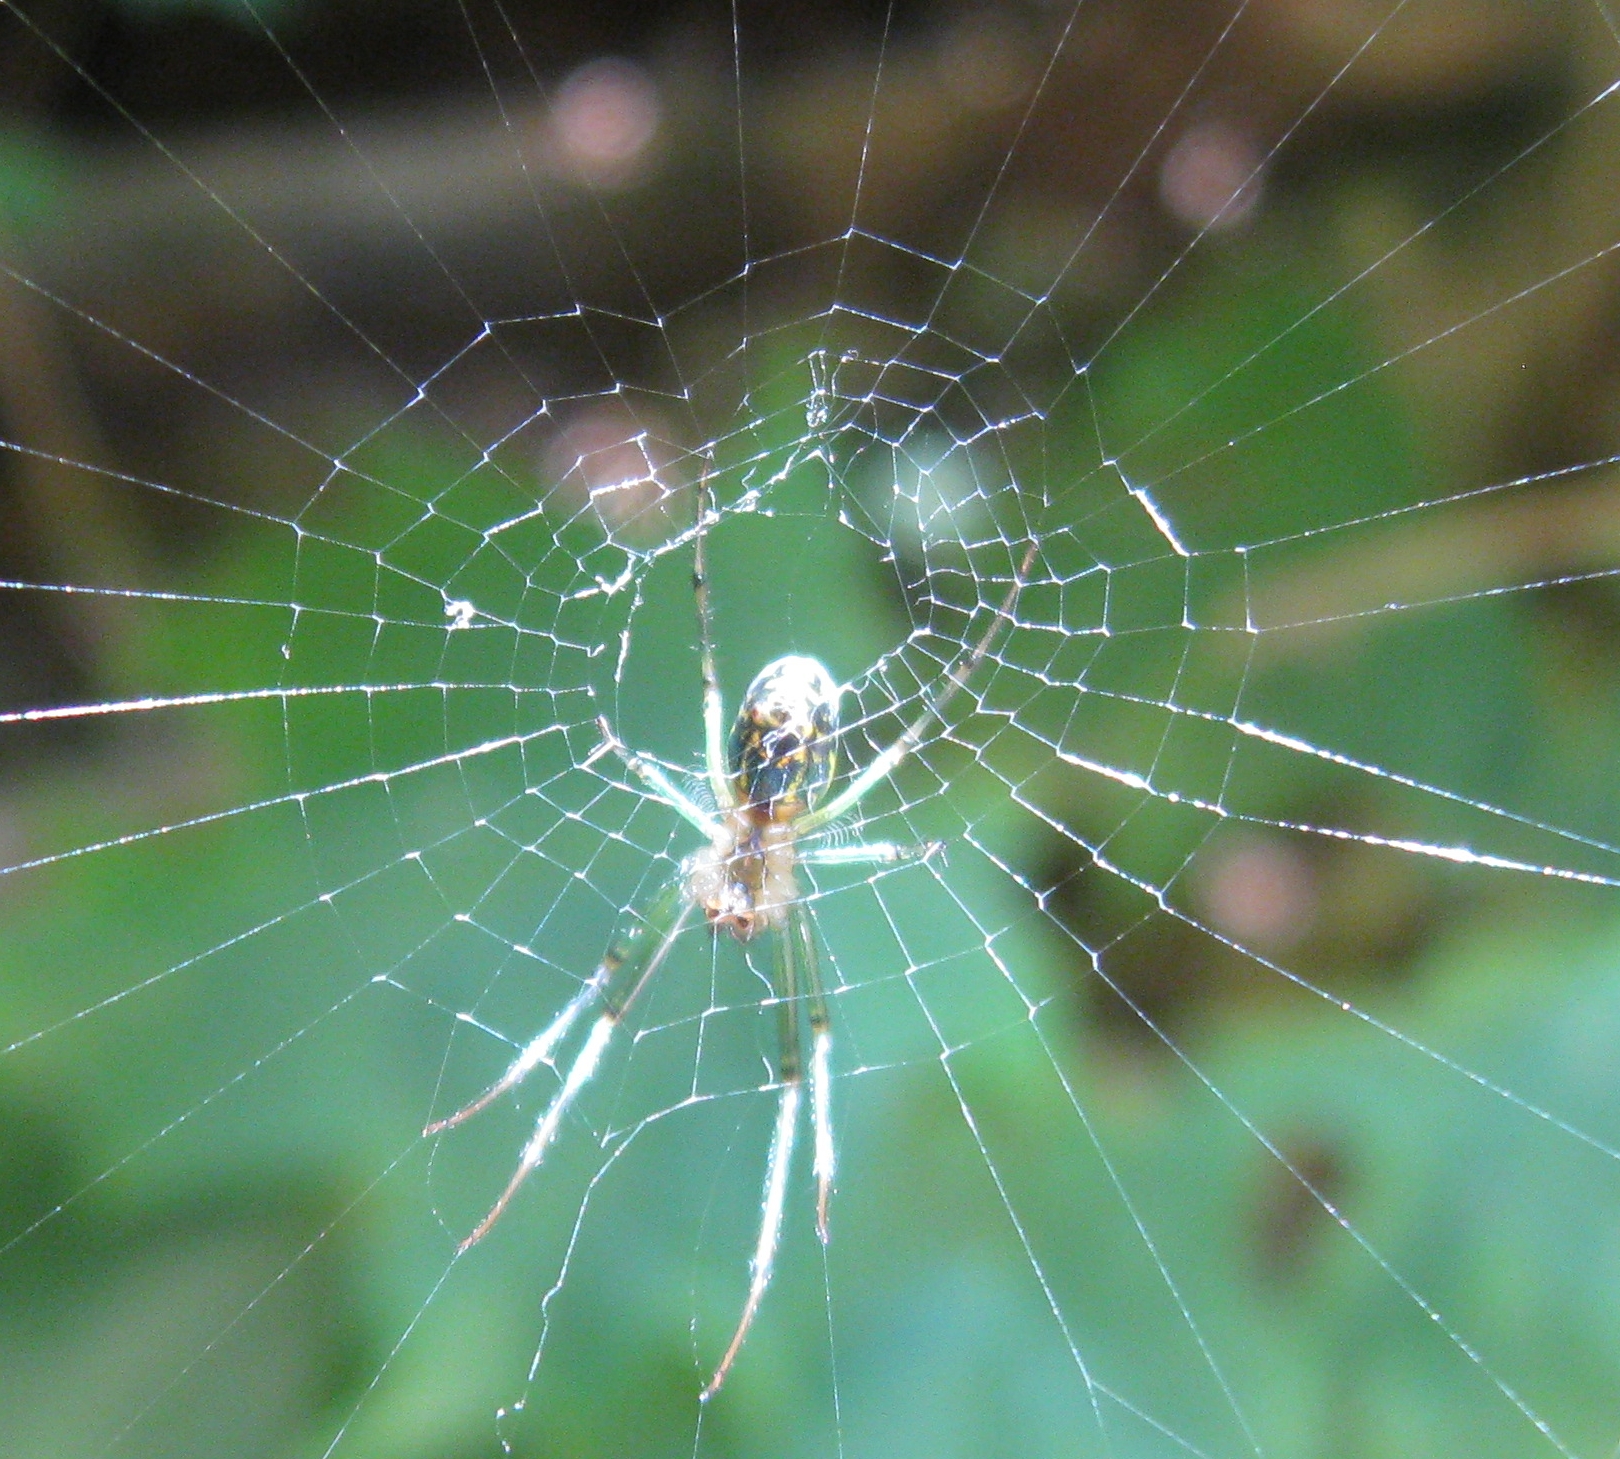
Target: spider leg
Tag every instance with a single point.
(770, 1230)
(653, 775)
(870, 853)
(790, 943)
(714, 714)
(885, 853)
(630, 962)
(820, 1064)
(910, 737)
(536, 1052)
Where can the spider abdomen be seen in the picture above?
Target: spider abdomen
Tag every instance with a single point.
(782, 744)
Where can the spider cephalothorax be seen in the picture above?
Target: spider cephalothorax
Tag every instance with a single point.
(743, 879)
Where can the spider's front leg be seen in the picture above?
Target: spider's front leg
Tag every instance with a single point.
(631, 959)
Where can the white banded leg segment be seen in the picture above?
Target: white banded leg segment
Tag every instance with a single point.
(802, 935)
(770, 1228)
(654, 776)
(884, 764)
(538, 1051)
(714, 713)
(578, 1076)
(870, 853)
(821, 1118)
(634, 954)
(632, 961)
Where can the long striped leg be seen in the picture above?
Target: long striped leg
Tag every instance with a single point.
(653, 774)
(536, 1052)
(884, 763)
(631, 960)
(790, 1073)
(859, 853)
(804, 933)
(870, 853)
(714, 714)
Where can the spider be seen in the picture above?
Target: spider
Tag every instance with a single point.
(767, 782)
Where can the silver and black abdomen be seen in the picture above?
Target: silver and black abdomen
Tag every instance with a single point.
(783, 745)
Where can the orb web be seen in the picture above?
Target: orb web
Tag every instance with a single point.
(1214, 1091)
